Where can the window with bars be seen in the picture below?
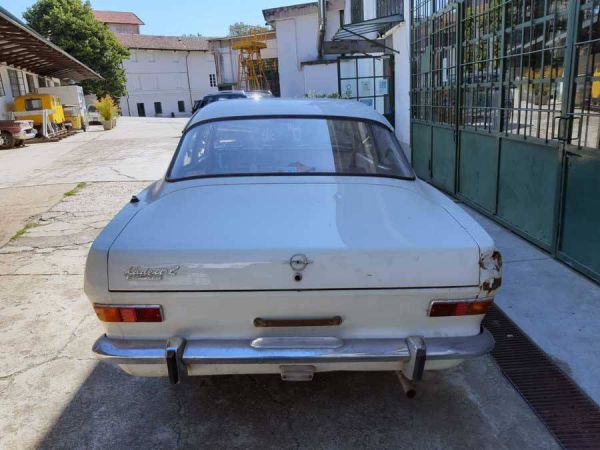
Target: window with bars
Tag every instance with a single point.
(511, 69)
(389, 7)
(17, 82)
(356, 11)
(212, 79)
(420, 60)
(513, 78)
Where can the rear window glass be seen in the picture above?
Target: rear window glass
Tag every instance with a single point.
(280, 146)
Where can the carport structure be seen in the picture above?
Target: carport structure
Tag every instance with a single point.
(22, 47)
(505, 115)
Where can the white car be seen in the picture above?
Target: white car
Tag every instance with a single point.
(291, 237)
(93, 116)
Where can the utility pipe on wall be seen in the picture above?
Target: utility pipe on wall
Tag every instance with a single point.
(322, 25)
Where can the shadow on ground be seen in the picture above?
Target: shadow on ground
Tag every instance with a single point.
(338, 410)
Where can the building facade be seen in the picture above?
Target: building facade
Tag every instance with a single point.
(303, 69)
(119, 22)
(165, 74)
(355, 49)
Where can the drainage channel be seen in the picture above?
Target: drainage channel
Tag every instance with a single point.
(568, 413)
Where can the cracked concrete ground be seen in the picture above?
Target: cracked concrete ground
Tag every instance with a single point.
(54, 394)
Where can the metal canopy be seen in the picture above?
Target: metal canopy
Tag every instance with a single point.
(22, 47)
(359, 29)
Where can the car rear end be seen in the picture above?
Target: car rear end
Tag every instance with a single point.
(321, 262)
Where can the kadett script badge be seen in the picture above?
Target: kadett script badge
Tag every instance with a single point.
(150, 273)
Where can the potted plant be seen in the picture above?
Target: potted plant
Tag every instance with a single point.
(108, 111)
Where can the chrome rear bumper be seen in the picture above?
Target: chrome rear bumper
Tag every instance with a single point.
(178, 353)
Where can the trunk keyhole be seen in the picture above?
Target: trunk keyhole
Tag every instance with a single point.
(298, 277)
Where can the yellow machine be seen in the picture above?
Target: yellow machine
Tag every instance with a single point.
(251, 67)
(74, 117)
(38, 102)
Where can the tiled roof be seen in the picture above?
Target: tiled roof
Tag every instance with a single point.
(148, 41)
(118, 17)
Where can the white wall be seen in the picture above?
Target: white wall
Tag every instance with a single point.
(321, 78)
(162, 76)
(297, 42)
(124, 28)
(401, 42)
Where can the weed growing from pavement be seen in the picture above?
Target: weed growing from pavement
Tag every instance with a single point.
(23, 230)
(75, 190)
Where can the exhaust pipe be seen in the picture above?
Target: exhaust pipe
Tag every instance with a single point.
(409, 389)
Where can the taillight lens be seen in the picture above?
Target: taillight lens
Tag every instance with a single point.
(444, 308)
(129, 313)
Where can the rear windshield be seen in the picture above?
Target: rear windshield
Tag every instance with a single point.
(283, 146)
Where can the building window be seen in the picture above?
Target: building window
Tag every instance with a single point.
(157, 108)
(342, 17)
(17, 83)
(2, 91)
(141, 110)
(181, 106)
(30, 83)
(212, 78)
(42, 82)
(389, 7)
(356, 11)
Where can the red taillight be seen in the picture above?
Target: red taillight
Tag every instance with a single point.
(129, 313)
(442, 308)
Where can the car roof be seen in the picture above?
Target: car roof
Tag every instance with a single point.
(247, 108)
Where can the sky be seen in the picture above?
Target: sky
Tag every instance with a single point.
(207, 17)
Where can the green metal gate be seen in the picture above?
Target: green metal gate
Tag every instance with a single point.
(505, 106)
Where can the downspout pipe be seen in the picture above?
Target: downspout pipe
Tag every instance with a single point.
(187, 72)
(322, 25)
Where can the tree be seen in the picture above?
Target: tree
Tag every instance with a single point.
(71, 25)
(243, 29)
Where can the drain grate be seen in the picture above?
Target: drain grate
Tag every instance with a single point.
(568, 413)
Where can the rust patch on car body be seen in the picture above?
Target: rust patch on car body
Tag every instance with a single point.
(490, 267)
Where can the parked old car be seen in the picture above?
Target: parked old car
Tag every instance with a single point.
(216, 97)
(14, 133)
(93, 115)
(291, 237)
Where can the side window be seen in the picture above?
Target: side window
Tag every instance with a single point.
(32, 104)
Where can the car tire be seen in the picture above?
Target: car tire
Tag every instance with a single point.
(7, 140)
(19, 142)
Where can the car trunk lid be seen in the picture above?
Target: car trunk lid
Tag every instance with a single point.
(292, 236)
